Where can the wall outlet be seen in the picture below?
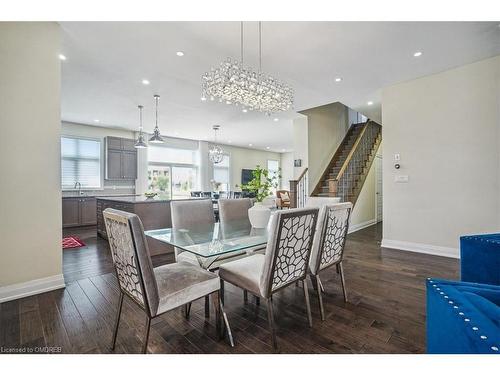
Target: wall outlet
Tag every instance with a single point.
(397, 157)
(401, 178)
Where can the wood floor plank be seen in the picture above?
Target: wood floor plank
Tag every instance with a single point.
(53, 328)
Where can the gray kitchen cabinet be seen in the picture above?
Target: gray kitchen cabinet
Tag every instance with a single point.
(70, 212)
(121, 159)
(79, 211)
(129, 165)
(88, 209)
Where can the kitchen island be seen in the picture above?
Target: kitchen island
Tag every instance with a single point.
(153, 212)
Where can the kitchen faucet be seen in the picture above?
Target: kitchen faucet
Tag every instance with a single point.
(79, 187)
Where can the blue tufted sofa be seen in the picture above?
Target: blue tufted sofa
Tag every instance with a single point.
(464, 316)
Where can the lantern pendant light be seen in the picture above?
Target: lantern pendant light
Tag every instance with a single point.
(215, 153)
(156, 138)
(140, 139)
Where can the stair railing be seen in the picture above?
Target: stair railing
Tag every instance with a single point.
(299, 190)
(346, 181)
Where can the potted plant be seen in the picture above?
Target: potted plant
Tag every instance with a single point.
(261, 185)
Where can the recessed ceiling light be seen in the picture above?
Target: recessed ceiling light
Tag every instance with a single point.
(203, 98)
(145, 82)
(417, 54)
(244, 110)
(283, 150)
(250, 144)
(179, 53)
(97, 120)
(370, 103)
(229, 141)
(276, 119)
(267, 148)
(338, 79)
(62, 57)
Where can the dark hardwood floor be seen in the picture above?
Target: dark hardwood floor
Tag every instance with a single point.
(385, 312)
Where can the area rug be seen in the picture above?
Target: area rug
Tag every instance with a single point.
(72, 242)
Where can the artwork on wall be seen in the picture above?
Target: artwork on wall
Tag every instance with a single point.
(297, 163)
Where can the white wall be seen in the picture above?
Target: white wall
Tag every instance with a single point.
(300, 144)
(327, 126)
(30, 193)
(287, 169)
(446, 129)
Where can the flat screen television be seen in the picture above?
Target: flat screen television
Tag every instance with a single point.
(246, 176)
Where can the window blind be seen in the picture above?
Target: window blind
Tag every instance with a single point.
(80, 162)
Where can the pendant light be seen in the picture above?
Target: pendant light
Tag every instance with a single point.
(215, 153)
(140, 139)
(156, 138)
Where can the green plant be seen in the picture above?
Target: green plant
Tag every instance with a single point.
(262, 183)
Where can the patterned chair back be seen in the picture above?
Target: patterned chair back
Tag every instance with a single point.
(131, 259)
(288, 250)
(331, 234)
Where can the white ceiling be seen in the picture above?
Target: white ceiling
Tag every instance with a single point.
(106, 62)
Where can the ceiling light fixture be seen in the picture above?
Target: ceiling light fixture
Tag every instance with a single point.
(145, 82)
(62, 57)
(140, 143)
(232, 82)
(370, 103)
(215, 152)
(338, 79)
(244, 110)
(179, 53)
(276, 119)
(250, 144)
(156, 138)
(267, 148)
(96, 120)
(417, 54)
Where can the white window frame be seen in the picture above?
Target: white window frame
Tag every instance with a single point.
(101, 162)
(172, 165)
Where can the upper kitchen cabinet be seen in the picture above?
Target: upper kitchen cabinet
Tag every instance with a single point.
(121, 159)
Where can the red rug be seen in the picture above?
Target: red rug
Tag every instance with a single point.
(72, 242)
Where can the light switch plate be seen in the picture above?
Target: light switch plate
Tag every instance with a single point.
(401, 178)
(397, 157)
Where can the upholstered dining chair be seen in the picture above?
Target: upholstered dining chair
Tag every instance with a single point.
(328, 246)
(154, 290)
(286, 261)
(193, 215)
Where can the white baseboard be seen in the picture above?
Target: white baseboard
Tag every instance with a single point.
(443, 251)
(359, 226)
(29, 288)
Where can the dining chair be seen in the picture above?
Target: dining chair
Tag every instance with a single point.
(206, 194)
(328, 246)
(286, 261)
(155, 290)
(193, 215)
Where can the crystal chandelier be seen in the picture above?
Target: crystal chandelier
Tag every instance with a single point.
(140, 139)
(232, 83)
(156, 138)
(215, 152)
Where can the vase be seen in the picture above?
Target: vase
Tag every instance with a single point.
(259, 215)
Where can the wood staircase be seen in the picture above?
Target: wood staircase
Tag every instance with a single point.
(346, 173)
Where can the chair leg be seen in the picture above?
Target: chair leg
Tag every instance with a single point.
(314, 281)
(217, 308)
(320, 298)
(146, 339)
(207, 306)
(342, 280)
(187, 310)
(257, 301)
(308, 304)
(270, 317)
(117, 321)
(222, 291)
(337, 267)
(245, 297)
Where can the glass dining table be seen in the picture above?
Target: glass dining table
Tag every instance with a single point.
(208, 242)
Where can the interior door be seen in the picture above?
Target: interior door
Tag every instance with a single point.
(378, 187)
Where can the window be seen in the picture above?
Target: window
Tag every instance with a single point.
(221, 173)
(273, 167)
(80, 162)
(172, 172)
